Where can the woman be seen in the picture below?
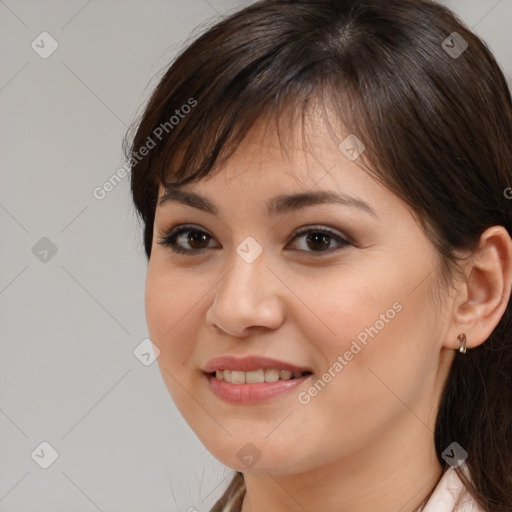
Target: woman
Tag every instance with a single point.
(323, 187)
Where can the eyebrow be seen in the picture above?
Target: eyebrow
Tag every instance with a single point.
(276, 205)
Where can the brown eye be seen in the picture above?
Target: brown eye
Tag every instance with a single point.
(190, 240)
(196, 239)
(319, 239)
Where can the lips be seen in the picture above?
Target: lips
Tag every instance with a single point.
(251, 363)
(252, 392)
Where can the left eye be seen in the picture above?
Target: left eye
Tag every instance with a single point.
(318, 238)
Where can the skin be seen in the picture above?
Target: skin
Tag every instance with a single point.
(365, 442)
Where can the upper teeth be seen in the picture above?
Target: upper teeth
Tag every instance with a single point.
(240, 377)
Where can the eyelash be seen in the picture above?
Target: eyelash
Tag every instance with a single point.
(169, 239)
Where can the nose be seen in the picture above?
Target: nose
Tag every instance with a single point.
(248, 298)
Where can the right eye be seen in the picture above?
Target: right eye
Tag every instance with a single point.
(195, 237)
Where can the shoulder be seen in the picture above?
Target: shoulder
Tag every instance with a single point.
(451, 495)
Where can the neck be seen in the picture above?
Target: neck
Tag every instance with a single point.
(398, 472)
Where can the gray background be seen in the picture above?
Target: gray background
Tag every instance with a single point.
(71, 319)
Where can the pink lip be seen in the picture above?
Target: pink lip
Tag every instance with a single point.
(250, 363)
(251, 393)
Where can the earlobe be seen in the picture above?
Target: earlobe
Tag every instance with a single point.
(487, 289)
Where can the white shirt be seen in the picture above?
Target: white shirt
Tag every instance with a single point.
(451, 495)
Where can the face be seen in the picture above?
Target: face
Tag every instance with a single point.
(340, 290)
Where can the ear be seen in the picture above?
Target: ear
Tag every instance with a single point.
(483, 296)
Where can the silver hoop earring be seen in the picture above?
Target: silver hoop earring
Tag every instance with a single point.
(463, 339)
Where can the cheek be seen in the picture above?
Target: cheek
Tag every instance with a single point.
(374, 322)
(169, 307)
(382, 367)
(351, 303)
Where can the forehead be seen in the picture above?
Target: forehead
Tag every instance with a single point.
(277, 172)
(294, 146)
(277, 152)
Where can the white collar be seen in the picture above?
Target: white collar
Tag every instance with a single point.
(451, 495)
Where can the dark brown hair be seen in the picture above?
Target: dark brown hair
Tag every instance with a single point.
(435, 117)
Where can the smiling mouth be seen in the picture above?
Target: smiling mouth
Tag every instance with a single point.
(256, 376)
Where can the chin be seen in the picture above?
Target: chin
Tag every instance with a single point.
(257, 456)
